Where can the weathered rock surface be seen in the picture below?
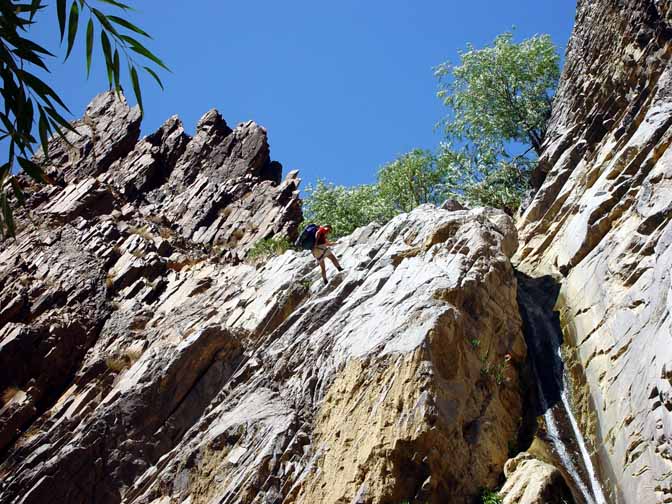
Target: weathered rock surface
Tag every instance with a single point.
(107, 132)
(601, 222)
(533, 481)
(142, 361)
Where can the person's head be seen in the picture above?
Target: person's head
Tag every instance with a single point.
(328, 228)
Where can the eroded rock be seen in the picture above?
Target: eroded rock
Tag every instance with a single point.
(601, 222)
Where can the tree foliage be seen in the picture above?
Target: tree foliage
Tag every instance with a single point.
(498, 97)
(345, 208)
(31, 107)
(501, 93)
(412, 179)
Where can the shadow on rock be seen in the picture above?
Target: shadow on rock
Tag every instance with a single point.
(543, 335)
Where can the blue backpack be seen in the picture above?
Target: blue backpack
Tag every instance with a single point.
(306, 241)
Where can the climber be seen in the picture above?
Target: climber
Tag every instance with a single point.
(321, 250)
(314, 238)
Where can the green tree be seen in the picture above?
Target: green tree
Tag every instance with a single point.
(412, 179)
(498, 97)
(345, 208)
(31, 107)
(485, 176)
(501, 93)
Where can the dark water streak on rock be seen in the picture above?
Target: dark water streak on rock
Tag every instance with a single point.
(543, 335)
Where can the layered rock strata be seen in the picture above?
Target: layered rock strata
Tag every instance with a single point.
(141, 360)
(601, 223)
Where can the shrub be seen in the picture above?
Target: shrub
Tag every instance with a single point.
(269, 247)
(345, 208)
(411, 180)
(490, 497)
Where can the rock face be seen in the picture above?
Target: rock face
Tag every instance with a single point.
(532, 481)
(601, 222)
(142, 360)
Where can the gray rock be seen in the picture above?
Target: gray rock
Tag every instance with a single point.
(602, 220)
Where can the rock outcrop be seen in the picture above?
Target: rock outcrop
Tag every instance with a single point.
(533, 481)
(145, 359)
(142, 359)
(601, 223)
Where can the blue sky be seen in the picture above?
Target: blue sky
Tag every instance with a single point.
(342, 87)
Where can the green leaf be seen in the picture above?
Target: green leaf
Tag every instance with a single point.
(107, 52)
(102, 18)
(59, 132)
(128, 25)
(57, 117)
(30, 56)
(35, 6)
(4, 171)
(27, 116)
(60, 8)
(34, 171)
(7, 214)
(117, 4)
(73, 22)
(136, 88)
(30, 45)
(153, 74)
(17, 191)
(43, 127)
(140, 49)
(115, 71)
(89, 46)
(42, 89)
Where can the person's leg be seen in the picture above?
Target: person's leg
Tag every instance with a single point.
(324, 271)
(333, 260)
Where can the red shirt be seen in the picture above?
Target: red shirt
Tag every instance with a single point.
(321, 236)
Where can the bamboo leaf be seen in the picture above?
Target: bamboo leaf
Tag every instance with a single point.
(73, 22)
(140, 49)
(115, 71)
(30, 56)
(57, 117)
(34, 171)
(128, 25)
(60, 8)
(4, 171)
(17, 191)
(102, 18)
(89, 46)
(59, 132)
(117, 4)
(7, 213)
(40, 87)
(35, 6)
(136, 88)
(30, 45)
(43, 127)
(153, 74)
(107, 52)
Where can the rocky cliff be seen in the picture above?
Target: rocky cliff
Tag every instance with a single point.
(601, 224)
(144, 359)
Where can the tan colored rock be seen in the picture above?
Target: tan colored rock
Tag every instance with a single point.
(532, 481)
(243, 383)
(159, 367)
